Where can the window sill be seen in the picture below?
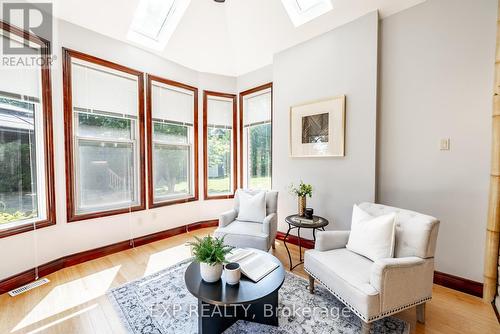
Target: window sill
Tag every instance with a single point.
(173, 202)
(211, 197)
(25, 227)
(79, 217)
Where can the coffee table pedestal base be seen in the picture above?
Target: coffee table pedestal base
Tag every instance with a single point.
(215, 319)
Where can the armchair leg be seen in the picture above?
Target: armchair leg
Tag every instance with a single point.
(311, 284)
(273, 245)
(421, 313)
(365, 327)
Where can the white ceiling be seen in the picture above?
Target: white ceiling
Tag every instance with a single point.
(232, 38)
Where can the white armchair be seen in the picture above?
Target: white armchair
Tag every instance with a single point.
(374, 290)
(245, 234)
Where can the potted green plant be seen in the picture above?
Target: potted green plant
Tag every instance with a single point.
(302, 191)
(210, 253)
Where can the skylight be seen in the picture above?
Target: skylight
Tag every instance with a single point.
(155, 21)
(303, 11)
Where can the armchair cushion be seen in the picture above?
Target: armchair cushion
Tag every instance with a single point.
(416, 233)
(244, 235)
(271, 199)
(252, 207)
(370, 236)
(349, 274)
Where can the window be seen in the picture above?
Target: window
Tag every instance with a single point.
(104, 137)
(26, 173)
(256, 137)
(219, 143)
(155, 21)
(303, 11)
(173, 142)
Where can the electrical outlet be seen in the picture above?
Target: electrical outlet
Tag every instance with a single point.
(445, 144)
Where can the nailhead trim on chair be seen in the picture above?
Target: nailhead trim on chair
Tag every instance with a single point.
(358, 313)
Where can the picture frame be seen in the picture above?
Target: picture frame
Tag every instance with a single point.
(317, 128)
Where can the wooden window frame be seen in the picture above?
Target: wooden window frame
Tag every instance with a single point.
(46, 91)
(241, 97)
(149, 121)
(206, 94)
(68, 55)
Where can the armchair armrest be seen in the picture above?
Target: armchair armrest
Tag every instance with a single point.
(227, 217)
(385, 269)
(402, 281)
(328, 240)
(270, 225)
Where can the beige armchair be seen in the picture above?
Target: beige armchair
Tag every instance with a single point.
(243, 234)
(374, 290)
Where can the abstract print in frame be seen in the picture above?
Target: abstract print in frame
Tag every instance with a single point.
(317, 129)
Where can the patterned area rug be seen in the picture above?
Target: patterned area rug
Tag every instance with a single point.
(161, 304)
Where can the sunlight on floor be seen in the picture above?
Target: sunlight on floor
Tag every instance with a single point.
(167, 258)
(69, 295)
(58, 321)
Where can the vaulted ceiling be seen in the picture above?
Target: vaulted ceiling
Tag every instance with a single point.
(230, 38)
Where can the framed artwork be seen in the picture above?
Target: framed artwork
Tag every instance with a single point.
(317, 129)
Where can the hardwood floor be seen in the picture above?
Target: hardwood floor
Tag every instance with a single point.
(75, 302)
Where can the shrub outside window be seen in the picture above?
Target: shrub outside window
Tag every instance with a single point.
(26, 173)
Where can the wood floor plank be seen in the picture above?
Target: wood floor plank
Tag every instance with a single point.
(75, 302)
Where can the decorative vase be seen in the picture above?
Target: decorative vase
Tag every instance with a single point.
(302, 205)
(210, 273)
(232, 273)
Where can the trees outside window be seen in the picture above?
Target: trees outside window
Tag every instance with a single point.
(220, 145)
(219, 160)
(259, 156)
(256, 137)
(26, 161)
(173, 120)
(18, 175)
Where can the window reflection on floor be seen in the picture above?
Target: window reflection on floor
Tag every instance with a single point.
(167, 258)
(63, 319)
(68, 295)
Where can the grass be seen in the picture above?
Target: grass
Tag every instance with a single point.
(222, 185)
(260, 182)
(219, 185)
(179, 188)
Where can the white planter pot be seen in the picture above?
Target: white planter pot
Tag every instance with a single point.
(210, 273)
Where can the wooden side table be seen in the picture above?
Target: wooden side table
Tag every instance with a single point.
(294, 223)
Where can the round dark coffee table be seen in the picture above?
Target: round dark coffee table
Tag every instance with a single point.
(317, 223)
(220, 305)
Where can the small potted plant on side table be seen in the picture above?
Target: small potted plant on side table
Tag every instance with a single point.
(302, 191)
(210, 253)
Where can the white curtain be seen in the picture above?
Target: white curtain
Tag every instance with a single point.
(20, 79)
(172, 103)
(103, 89)
(220, 111)
(257, 108)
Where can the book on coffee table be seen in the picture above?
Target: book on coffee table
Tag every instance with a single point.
(253, 265)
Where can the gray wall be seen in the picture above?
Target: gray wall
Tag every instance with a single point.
(342, 61)
(436, 81)
(255, 78)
